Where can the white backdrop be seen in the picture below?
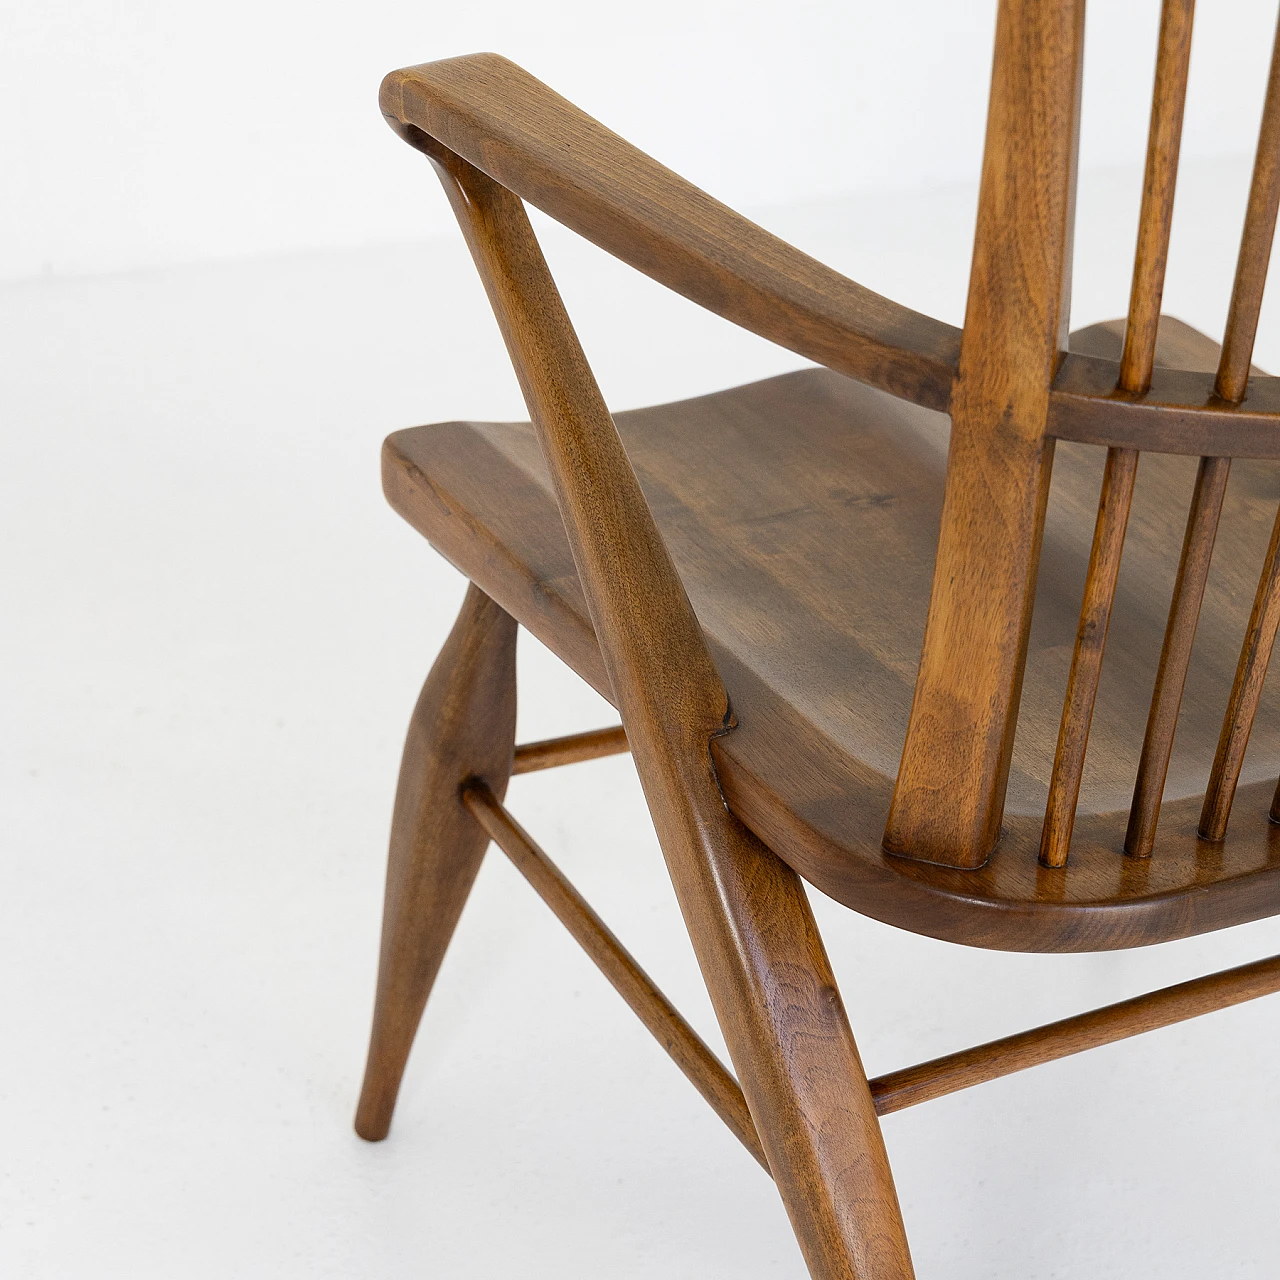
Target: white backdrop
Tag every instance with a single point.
(212, 631)
(143, 132)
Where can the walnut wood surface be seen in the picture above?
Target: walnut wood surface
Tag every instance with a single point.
(1255, 246)
(1232, 384)
(958, 749)
(1114, 504)
(551, 753)
(463, 727)
(962, 1070)
(949, 795)
(1137, 360)
(762, 959)
(1180, 413)
(751, 578)
(818, 645)
(1198, 544)
(895, 1090)
(514, 128)
(533, 141)
(687, 1049)
(1246, 690)
(1160, 180)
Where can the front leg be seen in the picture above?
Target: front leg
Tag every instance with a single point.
(755, 938)
(463, 727)
(779, 1008)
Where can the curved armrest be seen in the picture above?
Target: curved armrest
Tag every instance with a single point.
(539, 146)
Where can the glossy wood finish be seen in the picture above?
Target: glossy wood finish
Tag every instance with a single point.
(1160, 180)
(1255, 247)
(949, 794)
(462, 727)
(956, 1071)
(533, 142)
(751, 577)
(1180, 413)
(1118, 476)
(819, 663)
(1175, 654)
(687, 1049)
(746, 910)
(515, 128)
(896, 1090)
(1232, 384)
(554, 752)
(1246, 691)
(1137, 361)
(1202, 523)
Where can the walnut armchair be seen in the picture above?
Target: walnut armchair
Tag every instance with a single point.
(904, 727)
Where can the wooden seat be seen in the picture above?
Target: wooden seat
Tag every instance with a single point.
(802, 514)
(912, 626)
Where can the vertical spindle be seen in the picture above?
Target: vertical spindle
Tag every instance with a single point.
(1232, 384)
(1160, 181)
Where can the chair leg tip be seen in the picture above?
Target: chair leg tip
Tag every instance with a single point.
(373, 1116)
(372, 1128)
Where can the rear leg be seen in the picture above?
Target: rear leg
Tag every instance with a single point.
(462, 727)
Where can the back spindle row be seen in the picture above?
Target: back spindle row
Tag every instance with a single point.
(1136, 364)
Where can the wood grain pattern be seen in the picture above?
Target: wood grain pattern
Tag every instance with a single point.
(528, 138)
(687, 1049)
(551, 753)
(896, 1090)
(1175, 654)
(1232, 384)
(1180, 413)
(751, 577)
(963, 1070)
(1255, 247)
(818, 651)
(463, 727)
(1137, 360)
(1202, 523)
(1114, 504)
(1160, 180)
(759, 950)
(949, 794)
(1186, 411)
(1246, 691)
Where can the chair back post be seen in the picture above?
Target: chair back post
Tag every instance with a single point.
(948, 800)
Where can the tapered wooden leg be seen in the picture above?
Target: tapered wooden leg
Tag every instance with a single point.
(755, 938)
(462, 727)
(788, 1035)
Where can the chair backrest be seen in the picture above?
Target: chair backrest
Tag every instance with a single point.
(1017, 390)
(1008, 381)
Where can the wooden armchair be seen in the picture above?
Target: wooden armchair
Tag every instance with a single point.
(854, 634)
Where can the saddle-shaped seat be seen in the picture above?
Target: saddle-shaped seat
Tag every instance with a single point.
(802, 514)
